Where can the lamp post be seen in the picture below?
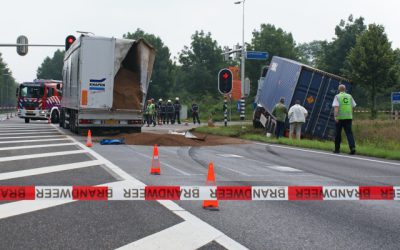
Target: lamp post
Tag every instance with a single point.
(242, 64)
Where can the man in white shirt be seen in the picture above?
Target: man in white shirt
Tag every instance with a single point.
(297, 116)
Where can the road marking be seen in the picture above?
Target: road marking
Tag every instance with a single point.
(164, 164)
(49, 169)
(29, 133)
(230, 155)
(331, 154)
(220, 237)
(38, 146)
(235, 171)
(33, 156)
(284, 169)
(56, 139)
(33, 136)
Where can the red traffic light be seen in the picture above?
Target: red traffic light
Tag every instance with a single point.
(69, 41)
(225, 79)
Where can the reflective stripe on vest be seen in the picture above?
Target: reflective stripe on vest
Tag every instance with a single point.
(345, 107)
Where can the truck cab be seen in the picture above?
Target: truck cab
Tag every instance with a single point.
(39, 100)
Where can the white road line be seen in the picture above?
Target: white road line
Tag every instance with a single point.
(27, 206)
(38, 146)
(33, 156)
(41, 140)
(164, 164)
(331, 154)
(233, 170)
(230, 155)
(33, 136)
(220, 237)
(30, 133)
(49, 169)
(284, 169)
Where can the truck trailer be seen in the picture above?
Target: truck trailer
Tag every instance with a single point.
(105, 83)
(314, 88)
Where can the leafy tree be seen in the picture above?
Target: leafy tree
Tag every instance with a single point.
(7, 85)
(273, 40)
(51, 68)
(309, 53)
(372, 63)
(333, 56)
(162, 76)
(200, 64)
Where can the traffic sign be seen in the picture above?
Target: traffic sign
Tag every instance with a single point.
(256, 55)
(395, 97)
(23, 48)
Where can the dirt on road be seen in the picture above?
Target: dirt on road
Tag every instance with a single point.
(151, 139)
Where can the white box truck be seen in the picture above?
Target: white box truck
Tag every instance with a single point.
(105, 84)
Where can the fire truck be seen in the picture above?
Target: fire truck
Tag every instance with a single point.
(39, 100)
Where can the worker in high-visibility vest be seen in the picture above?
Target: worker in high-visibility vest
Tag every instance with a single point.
(343, 105)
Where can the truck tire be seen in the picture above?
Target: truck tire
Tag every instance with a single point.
(26, 120)
(55, 118)
(62, 117)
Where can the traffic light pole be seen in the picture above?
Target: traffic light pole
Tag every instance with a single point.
(242, 73)
(32, 45)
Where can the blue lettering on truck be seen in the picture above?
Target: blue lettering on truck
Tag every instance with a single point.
(98, 85)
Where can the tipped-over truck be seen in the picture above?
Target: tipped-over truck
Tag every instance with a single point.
(105, 83)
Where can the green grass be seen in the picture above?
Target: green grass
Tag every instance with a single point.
(369, 144)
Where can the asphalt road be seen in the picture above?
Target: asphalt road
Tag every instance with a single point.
(39, 154)
(185, 224)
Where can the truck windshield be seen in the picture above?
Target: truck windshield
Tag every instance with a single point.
(31, 91)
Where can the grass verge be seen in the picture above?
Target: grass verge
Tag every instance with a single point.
(387, 149)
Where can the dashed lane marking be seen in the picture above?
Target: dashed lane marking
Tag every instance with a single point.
(230, 155)
(29, 133)
(33, 136)
(49, 169)
(42, 155)
(284, 169)
(42, 140)
(38, 146)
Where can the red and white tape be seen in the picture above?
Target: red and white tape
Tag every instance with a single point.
(260, 193)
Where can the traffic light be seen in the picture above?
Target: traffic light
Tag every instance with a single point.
(225, 79)
(69, 41)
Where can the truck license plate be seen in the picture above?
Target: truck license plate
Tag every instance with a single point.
(111, 122)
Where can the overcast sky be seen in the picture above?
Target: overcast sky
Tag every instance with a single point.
(174, 21)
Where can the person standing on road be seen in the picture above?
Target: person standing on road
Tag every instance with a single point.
(280, 112)
(159, 113)
(169, 111)
(195, 112)
(297, 117)
(163, 109)
(177, 108)
(343, 105)
(151, 113)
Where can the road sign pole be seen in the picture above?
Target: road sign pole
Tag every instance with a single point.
(225, 111)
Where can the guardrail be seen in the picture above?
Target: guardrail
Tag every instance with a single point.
(8, 111)
(395, 115)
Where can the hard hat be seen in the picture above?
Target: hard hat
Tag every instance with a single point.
(177, 98)
(169, 100)
(160, 100)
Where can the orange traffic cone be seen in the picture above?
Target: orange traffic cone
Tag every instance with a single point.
(89, 139)
(155, 162)
(210, 204)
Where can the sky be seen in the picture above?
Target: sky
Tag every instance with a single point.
(175, 21)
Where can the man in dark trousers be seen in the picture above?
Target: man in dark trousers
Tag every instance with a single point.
(280, 111)
(343, 105)
(163, 111)
(195, 112)
(170, 111)
(159, 114)
(177, 108)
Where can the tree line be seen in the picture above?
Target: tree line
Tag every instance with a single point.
(359, 52)
(8, 85)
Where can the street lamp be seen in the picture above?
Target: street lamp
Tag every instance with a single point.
(242, 100)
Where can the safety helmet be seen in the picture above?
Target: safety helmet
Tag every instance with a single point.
(177, 98)
(169, 100)
(160, 100)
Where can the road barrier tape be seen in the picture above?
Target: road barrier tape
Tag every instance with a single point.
(255, 193)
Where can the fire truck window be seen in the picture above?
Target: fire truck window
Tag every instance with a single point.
(50, 92)
(31, 91)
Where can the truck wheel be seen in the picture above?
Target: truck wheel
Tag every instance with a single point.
(62, 117)
(55, 117)
(26, 120)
